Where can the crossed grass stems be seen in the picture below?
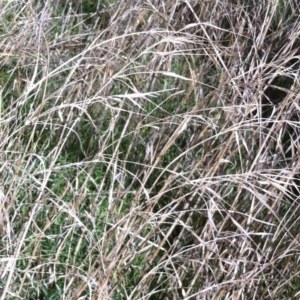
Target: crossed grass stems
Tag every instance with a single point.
(149, 150)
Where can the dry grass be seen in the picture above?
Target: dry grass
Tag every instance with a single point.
(149, 149)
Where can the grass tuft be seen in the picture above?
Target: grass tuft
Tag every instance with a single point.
(149, 149)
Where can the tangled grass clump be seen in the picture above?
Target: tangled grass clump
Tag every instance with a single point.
(149, 149)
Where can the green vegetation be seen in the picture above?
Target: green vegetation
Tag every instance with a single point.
(149, 149)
